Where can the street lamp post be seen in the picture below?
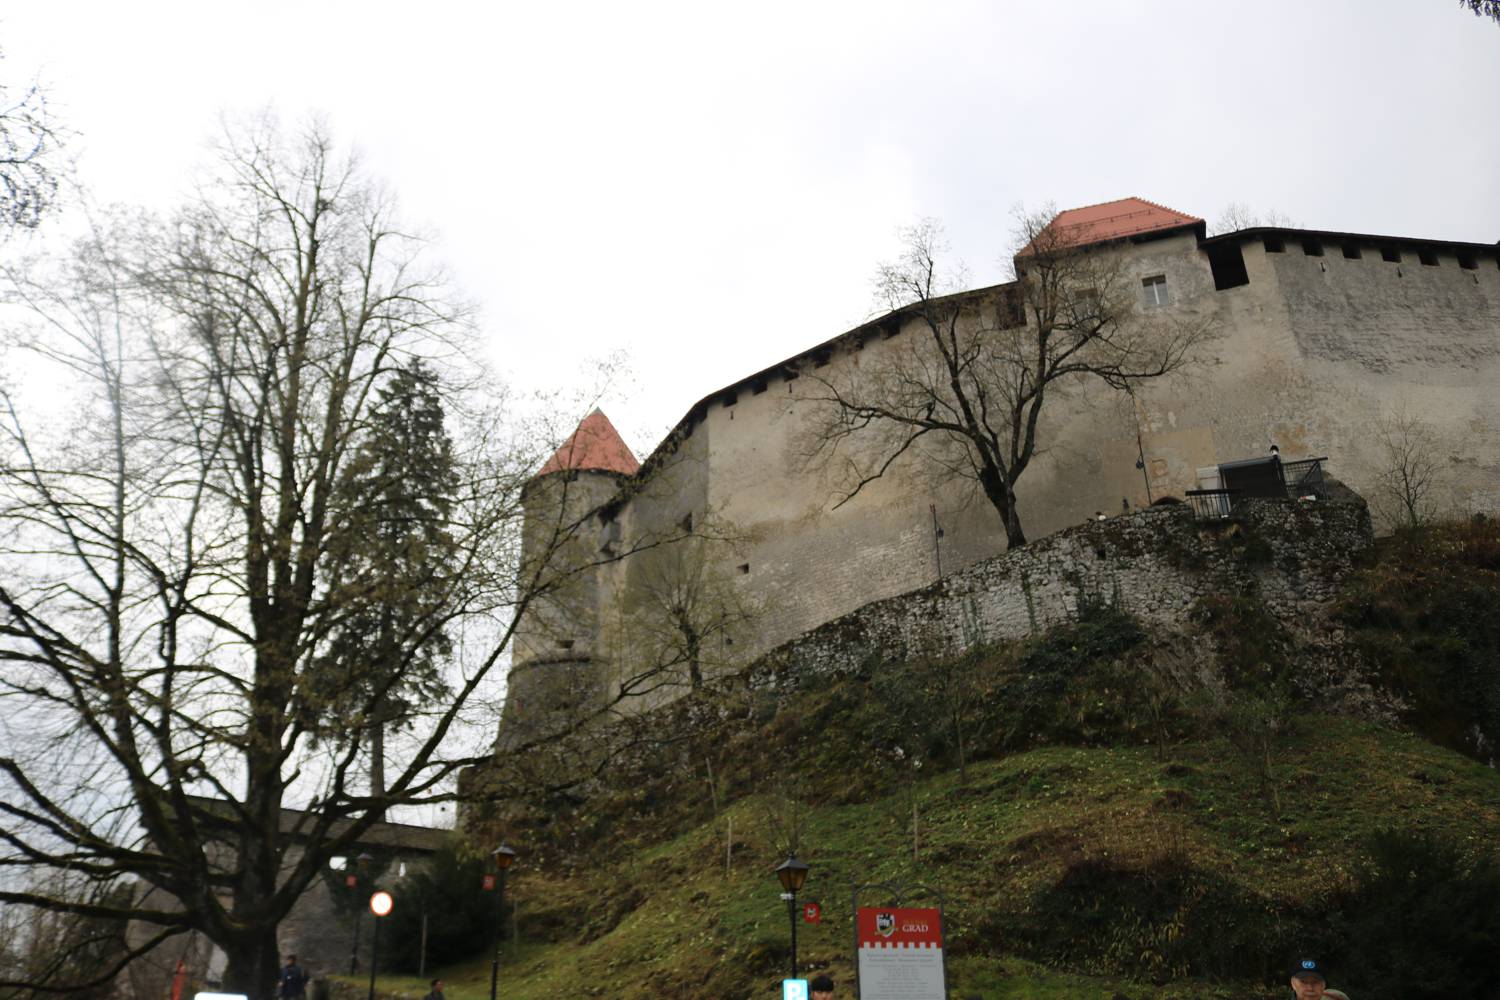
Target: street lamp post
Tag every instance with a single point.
(503, 858)
(380, 905)
(361, 866)
(791, 873)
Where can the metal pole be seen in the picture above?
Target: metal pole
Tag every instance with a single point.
(374, 950)
(937, 540)
(499, 934)
(354, 952)
(422, 958)
(791, 909)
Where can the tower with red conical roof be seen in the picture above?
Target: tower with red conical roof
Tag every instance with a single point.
(557, 663)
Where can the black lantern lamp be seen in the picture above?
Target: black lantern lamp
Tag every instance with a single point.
(792, 873)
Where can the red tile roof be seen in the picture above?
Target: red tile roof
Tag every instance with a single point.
(594, 446)
(1114, 220)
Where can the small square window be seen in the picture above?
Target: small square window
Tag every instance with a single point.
(1351, 251)
(757, 387)
(1468, 260)
(744, 569)
(1154, 289)
(1391, 255)
(1313, 248)
(1274, 244)
(1428, 258)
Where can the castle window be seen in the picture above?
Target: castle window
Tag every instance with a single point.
(1428, 258)
(1391, 255)
(1012, 309)
(744, 569)
(687, 522)
(730, 398)
(820, 360)
(1468, 260)
(758, 386)
(1351, 250)
(1274, 244)
(1227, 261)
(565, 644)
(1312, 248)
(1155, 290)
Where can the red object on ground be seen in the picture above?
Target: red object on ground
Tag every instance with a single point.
(812, 913)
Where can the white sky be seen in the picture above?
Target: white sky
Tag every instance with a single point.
(710, 188)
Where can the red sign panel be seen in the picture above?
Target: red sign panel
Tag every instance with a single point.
(900, 927)
(487, 883)
(812, 913)
(351, 880)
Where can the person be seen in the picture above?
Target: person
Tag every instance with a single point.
(1335, 995)
(436, 993)
(821, 988)
(292, 984)
(1308, 979)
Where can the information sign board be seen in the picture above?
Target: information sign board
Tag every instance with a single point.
(794, 989)
(900, 953)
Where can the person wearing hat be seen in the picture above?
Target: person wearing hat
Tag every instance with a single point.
(1308, 980)
(821, 988)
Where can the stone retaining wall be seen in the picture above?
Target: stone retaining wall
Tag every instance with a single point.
(1155, 563)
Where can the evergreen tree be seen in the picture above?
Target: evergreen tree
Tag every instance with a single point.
(396, 550)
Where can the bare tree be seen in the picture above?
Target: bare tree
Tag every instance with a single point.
(964, 384)
(29, 137)
(1483, 8)
(176, 568)
(681, 612)
(1407, 482)
(1237, 215)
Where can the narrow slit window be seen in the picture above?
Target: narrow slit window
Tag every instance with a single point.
(1154, 289)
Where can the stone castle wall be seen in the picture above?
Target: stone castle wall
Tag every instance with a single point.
(1313, 351)
(1154, 563)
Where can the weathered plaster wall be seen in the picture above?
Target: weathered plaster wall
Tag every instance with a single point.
(1154, 563)
(1311, 354)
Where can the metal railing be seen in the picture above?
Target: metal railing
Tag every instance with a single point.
(1304, 478)
(1210, 505)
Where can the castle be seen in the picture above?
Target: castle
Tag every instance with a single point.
(732, 542)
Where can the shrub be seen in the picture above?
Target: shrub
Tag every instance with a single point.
(1427, 616)
(1423, 922)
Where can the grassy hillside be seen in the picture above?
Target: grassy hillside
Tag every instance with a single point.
(1169, 818)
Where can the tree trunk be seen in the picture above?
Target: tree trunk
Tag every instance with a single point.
(377, 762)
(253, 964)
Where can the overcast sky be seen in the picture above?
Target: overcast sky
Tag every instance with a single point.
(709, 189)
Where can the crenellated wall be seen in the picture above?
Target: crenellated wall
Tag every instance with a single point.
(1312, 352)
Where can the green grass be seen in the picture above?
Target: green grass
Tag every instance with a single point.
(667, 920)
